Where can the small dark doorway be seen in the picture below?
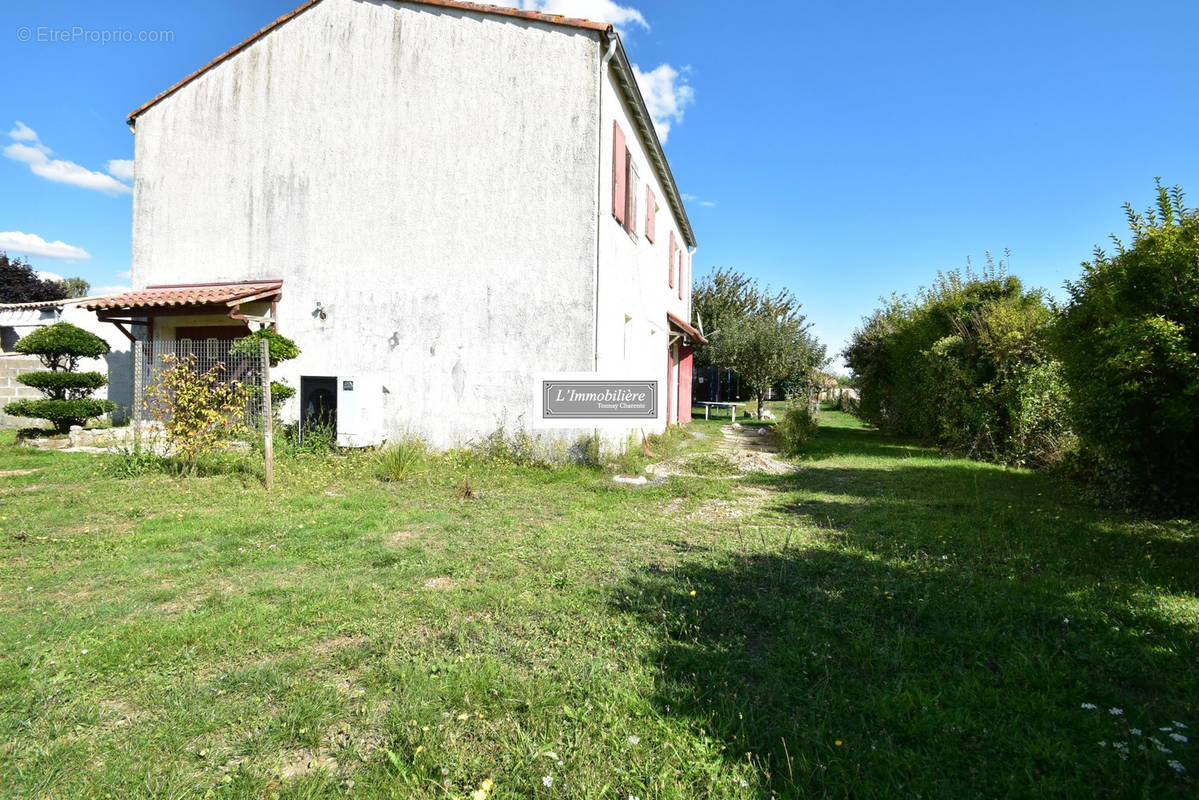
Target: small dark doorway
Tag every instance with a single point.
(318, 404)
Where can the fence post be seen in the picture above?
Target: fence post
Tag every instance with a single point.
(139, 361)
(267, 416)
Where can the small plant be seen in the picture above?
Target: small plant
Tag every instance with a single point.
(586, 452)
(797, 426)
(398, 460)
(199, 411)
(68, 393)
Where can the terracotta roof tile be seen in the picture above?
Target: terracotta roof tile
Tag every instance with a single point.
(199, 294)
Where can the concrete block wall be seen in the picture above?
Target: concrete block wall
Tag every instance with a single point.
(10, 389)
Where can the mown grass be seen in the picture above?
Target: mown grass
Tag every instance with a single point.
(884, 622)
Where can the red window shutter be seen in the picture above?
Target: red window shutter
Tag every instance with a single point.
(619, 168)
(670, 266)
(650, 213)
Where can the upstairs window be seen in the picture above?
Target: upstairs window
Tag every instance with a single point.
(634, 184)
(620, 169)
(670, 265)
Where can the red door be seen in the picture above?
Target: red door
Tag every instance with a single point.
(669, 384)
(685, 370)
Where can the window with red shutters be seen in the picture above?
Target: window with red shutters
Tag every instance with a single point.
(651, 211)
(670, 266)
(620, 167)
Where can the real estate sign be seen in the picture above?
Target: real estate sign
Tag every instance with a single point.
(585, 400)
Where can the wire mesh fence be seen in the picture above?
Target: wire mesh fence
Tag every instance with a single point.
(203, 391)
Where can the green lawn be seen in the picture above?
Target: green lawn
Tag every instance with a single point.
(884, 622)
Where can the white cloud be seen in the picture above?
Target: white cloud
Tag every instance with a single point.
(125, 274)
(690, 198)
(23, 133)
(37, 156)
(121, 168)
(34, 245)
(49, 276)
(595, 10)
(667, 95)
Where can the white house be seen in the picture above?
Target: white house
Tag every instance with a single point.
(437, 200)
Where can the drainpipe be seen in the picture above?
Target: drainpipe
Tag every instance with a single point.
(599, 182)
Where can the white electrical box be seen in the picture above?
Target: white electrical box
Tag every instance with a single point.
(359, 411)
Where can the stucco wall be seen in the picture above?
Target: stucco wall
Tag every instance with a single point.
(634, 288)
(426, 176)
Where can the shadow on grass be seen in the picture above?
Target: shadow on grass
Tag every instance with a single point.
(938, 639)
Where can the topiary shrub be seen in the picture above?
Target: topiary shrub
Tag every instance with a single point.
(279, 349)
(60, 347)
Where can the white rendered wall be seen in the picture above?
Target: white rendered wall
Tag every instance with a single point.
(427, 176)
(633, 272)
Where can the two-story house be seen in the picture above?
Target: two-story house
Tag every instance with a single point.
(437, 200)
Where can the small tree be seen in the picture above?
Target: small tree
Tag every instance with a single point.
(19, 283)
(199, 411)
(74, 287)
(279, 349)
(68, 393)
(766, 349)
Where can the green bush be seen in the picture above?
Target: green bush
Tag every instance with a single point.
(63, 413)
(966, 366)
(796, 427)
(61, 345)
(1128, 339)
(400, 459)
(64, 385)
(279, 347)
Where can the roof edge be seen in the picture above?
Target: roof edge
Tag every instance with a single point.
(460, 5)
(685, 327)
(627, 81)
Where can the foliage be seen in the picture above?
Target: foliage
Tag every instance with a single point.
(62, 413)
(767, 349)
(586, 452)
(60, 347)
(281, 392)
(19, 283)
(74, 287)
(797, 426)
(965, 365)
(64, 385)
(279, 347)
(1128, 339)
(725, 295)
(398, 460)
(199, 411)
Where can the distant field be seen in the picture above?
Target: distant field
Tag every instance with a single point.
(884, 622)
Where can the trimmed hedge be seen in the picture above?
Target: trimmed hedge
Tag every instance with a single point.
(58, 385)
(61, 345)
(63, 413)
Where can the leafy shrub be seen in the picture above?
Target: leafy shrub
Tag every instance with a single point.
(966, 366)
(62, 413)
(399, 459)
(60, 347)
(61, 385)
(279, 347)
(199, 411)
(797, 426)
(1128, 339)
(586, 452)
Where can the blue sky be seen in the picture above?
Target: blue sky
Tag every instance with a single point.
(843, 150)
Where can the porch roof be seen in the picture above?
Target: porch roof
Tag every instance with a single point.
(689, 330)
(193, 294)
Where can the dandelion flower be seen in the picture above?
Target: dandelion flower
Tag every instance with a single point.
(838, 743)
(420, 748)
(487, 785)
(463, 717)
(692, 593)
(478, 794)
(547, 781)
